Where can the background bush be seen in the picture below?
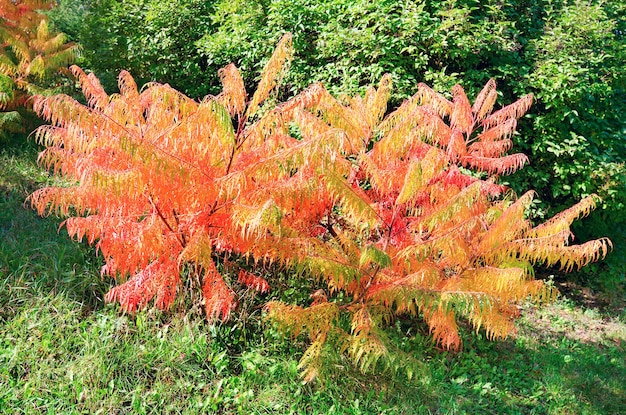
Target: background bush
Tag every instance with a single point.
(570, 54)
(154, 40)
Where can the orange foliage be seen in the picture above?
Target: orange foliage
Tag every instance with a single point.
(29, 52)
(253, 282)
(377, 208)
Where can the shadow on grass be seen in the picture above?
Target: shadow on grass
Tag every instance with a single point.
(35, 255)
(537, 373)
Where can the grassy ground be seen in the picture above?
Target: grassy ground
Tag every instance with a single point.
(62, 350)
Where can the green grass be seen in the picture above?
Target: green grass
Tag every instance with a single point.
(62, 350)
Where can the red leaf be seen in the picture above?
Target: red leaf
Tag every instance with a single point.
(252, 281)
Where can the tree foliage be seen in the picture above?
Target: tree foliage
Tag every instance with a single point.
(572, 60)
(394, 215)
(153, 39)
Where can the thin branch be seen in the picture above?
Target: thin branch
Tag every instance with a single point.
(160, 214)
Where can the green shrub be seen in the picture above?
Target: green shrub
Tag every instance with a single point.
(151, 38)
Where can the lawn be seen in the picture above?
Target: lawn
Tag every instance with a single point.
(63, 350)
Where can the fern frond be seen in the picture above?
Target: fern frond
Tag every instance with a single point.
(7, 66)
(233, 96)
(443, 327)
(219, 300)
(497, 322)
(461, 117)
(383, 179)
(351, 121)
(414, 181)
(198, 249)
(514, 110)
(509, 225)
(456, 147)
(310, 125)
(253, 282)
(428, 97)
(504, 285)
(59, 109)
(419, 174)
(127, 86)
(408, 134)
(376, 101)
(308, 99)
(311, 360)
(354, 203)
(273, 71)
(489, 149)
(315, 320)
(409, 292)
(372, 255)
(158, 280)
(458, 207)
(97, 98)
(485, 100)
(552, 251)
(352, 250)
(255, 220)
(317, 155)
(561, 221)
(36, 67)
(368, 343)
(333, 266)
(495, 165)
(220, 124)
(267, 135)
(318, 321)
(57, 200)
(502, 130)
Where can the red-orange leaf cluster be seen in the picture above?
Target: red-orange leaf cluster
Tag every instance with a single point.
(253, 282)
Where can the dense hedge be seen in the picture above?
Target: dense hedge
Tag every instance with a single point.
(570, 54)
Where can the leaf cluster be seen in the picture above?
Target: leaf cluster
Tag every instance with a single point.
(30, 56)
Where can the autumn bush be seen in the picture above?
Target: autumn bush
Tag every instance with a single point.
(394, 215)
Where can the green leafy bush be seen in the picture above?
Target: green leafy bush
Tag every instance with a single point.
(573, 60)
(154, 39)
(351, 44)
